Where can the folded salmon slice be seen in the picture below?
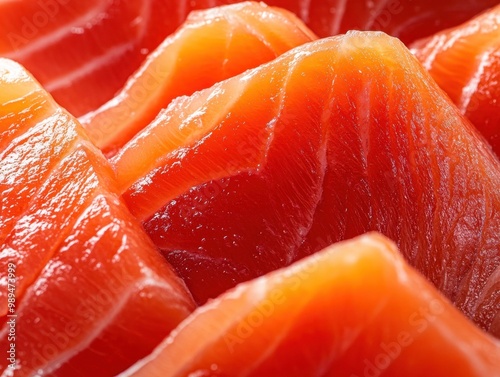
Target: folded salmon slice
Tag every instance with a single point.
(331, 140)
(405, 19)
(82, 51)
(210, 46)
(92, 294)
(465, 62)
(354, 309)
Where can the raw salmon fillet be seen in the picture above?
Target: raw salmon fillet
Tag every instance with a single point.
(84, 51)
(405, 19)
(331, 140)
(210, 46)
(465, 62)
(354, 309)
(92, 294)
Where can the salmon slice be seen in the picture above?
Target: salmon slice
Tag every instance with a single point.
(405, 19)
(465, 62)
(82, 51)
(211, 46)
(354, 309)
(90, 293)
(331, 140)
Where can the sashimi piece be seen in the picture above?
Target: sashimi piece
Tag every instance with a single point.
(92, 294)
(354, 309)
(82, 51)
(405, 19)
(331, 140)
(210, 46)
(465, 62)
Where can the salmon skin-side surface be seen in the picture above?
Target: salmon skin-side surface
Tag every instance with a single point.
(209, 47)
(90, 293)
(465, 62)
(332, 139)
(354, 309)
